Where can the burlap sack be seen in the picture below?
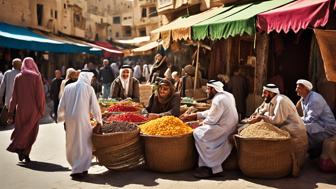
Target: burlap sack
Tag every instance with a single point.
(329, 149)
(299, 140)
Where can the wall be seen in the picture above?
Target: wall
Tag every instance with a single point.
(16, 15)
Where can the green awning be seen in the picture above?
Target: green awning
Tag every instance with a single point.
(237, 21)
(181, 27)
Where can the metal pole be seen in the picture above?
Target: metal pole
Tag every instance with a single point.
(197, 66)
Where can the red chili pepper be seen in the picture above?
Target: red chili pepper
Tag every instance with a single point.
(122, 108)
(129, 117)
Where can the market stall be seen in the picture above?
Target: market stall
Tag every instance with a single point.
(128, 139)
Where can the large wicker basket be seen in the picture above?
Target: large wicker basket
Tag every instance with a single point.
(119, 151)
(264, 158)
(169, 154)
(112, 139)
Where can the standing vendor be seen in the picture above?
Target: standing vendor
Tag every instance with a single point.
(212, 138)
(165, 101)
(125, 86)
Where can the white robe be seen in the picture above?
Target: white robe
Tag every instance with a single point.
(281, 112)
(77, 102)
(211, 138)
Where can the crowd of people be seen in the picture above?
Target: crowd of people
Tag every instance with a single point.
(75, 98)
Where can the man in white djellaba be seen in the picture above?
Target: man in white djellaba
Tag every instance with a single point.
(78, 101)
(212, 137)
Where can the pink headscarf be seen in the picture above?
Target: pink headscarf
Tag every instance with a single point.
(29, 67)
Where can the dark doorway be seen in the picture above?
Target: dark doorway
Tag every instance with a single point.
(289, 57)
(39, 13)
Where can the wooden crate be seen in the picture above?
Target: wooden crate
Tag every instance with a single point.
(145, 93)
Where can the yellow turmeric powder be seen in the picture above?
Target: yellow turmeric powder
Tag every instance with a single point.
(165, 126)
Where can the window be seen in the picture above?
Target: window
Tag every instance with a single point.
(117, 34)
(128, 31)
(152, 12)
(143, 13)
(55, 14)
(39, 12)
(51, 13)
(65, 6)
(116, 20)
(142, 32)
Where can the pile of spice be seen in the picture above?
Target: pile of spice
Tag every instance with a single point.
(127, 117)
(118, 127)
(122, 108)
(165, 126)
(264, 130)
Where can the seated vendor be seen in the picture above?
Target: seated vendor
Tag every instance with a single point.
(164, 101)
(317, 117)
(125, 86)
(279, 110)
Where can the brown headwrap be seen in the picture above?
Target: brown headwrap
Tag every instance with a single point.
(164, 100)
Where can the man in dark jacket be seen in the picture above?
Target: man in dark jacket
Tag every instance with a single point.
(159, 67)
(106, 77)
(54, 91)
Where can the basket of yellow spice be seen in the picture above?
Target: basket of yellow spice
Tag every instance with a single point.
(264, 151)
(169, 145)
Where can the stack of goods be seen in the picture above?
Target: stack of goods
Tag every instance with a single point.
(264, 151)
(127, 117)
(169, 145)
(119, 147)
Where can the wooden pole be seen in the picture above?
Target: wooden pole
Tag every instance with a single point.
(197, 66)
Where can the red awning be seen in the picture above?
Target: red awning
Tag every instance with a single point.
(295, 16)
(107, 48)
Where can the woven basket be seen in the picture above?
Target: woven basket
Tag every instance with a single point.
(119, 151)
(111, 139)
(122, 157)
(264, 158)
(169, 154)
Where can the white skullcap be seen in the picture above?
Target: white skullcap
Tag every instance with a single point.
(271, 88)
(217, 85)
(306, 83)
(174, 74)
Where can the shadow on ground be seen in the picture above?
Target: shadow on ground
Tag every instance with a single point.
(309, 178)
(43, 166)
(6, 128)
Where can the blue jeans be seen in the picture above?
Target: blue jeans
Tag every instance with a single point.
(106, 90)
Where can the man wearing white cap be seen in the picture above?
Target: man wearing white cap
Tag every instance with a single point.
(317, 117)
(280, 111)
(212, 138)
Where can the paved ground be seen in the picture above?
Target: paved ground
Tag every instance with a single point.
(49, 169)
